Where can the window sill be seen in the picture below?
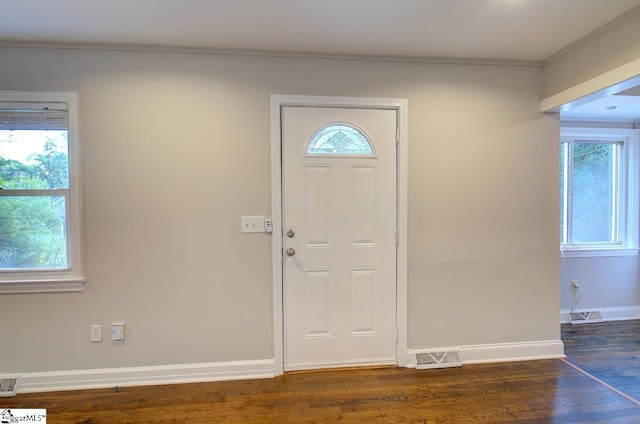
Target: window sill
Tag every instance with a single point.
(42, 286)
(591, 252)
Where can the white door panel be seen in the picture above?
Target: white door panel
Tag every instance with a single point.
(340, 285)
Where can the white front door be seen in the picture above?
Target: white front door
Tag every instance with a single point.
(339, 241)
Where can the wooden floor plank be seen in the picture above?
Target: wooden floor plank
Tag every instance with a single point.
(610, 351)
(521, 392)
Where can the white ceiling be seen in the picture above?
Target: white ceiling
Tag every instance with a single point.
(623, 106)
(529, 30)
(512, 30)
(616, 108)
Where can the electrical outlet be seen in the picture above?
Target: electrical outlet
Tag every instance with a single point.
(117, 331)
(574, 286)
(96, 333)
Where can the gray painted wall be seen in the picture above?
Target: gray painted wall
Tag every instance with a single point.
(176, 147)
(605, 282)
(608, 50)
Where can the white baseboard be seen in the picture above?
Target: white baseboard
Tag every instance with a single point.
(244, 370)
(145, 376)
(509, 352)
(619, 313)
(501, 352)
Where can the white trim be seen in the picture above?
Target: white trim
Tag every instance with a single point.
(400, 105)
(270, 53)
(587, 252)
(614, 81)
(402, 230)
(145, 376)
(39, 96)
(510, 352)
(43, 286)
(500, 352)
(616, 313)
(627, 173)
(359, 363)
(596, 123)
(276, 240)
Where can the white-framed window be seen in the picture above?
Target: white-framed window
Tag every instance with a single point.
(598, 191)
(40, 240)
(340, 139)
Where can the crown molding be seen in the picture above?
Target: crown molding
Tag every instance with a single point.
(604, 28)
(266, 53)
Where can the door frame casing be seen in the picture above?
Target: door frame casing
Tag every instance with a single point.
(278, 101)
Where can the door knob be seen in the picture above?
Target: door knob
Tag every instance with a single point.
(291, 233)
(291, 251)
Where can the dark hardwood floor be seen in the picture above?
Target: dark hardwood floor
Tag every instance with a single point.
(534, 392)
(609, 351)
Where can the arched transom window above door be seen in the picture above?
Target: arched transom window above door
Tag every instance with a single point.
(340, 139)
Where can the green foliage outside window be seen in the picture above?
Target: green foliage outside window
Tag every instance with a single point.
(33, 227)
(593, 193)
(592, 196)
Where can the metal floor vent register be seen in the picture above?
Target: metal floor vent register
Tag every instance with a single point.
(8, 387)
(427, 360)
(585, 317)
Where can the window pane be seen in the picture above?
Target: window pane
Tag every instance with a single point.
(340, 139)
(34, 159)
(32, 232)
(593, 193)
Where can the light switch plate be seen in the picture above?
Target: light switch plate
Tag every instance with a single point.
(252, 224)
